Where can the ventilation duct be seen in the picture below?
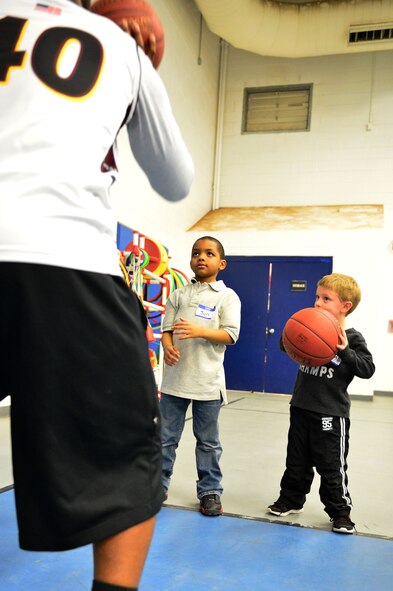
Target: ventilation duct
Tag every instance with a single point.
(378, 33)
(301, 29)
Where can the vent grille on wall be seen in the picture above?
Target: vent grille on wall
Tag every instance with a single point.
(277, 108)
(371, 33)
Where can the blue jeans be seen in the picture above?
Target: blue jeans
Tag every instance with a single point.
(208, 448)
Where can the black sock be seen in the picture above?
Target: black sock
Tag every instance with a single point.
(100, 586)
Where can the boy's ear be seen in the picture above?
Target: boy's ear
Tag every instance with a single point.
(347, 307)
(222, 264)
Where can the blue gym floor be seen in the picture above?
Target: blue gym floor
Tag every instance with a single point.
(191, 552)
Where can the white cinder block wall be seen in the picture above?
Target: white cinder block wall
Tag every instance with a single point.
(337, 162)
(192, 90)
(346, 158)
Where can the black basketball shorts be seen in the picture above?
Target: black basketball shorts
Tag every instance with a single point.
(84, 410)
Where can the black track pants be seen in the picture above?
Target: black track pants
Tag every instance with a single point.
(320, 441)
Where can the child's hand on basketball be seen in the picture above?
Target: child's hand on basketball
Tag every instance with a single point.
(171, 355)
(344, 341)
(131, 27)
(184, 329)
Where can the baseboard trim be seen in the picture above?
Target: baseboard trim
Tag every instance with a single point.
(4, 411)
(366, 397)
(382, 393)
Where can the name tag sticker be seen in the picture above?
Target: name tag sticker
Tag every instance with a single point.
(204, 312)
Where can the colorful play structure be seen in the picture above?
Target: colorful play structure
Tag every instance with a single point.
(145, 264)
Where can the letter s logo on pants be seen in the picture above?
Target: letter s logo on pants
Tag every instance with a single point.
(327, 423)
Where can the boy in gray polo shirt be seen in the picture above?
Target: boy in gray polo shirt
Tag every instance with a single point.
(200, 320)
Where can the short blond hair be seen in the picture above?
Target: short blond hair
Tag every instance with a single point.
(344, 286)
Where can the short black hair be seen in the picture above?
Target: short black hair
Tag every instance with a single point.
(220, 247)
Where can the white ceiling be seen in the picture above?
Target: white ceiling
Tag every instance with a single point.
(295, 28)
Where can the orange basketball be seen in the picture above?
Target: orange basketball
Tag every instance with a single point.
(141, 12)
(311, 336)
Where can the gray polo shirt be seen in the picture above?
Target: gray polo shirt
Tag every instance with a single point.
(199, 373)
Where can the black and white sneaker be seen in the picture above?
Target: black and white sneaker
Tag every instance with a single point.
(343, 524)
(281, 509)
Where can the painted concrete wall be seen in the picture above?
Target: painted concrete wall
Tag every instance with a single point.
(364, 255)
(347, 155)
(338, 161)
(192, 90)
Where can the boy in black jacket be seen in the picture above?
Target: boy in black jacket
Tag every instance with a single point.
(319, 414)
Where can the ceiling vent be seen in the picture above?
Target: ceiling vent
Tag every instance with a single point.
(301, 29)
(371, 33)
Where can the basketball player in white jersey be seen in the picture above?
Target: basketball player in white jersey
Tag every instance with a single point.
(84, 413)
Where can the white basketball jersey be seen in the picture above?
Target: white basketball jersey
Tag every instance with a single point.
(68, 79)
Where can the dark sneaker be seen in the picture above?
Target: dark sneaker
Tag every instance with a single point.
(281, 509)
(210, 505)
(343, 524)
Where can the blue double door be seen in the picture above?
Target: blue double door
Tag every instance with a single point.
(271, 289)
